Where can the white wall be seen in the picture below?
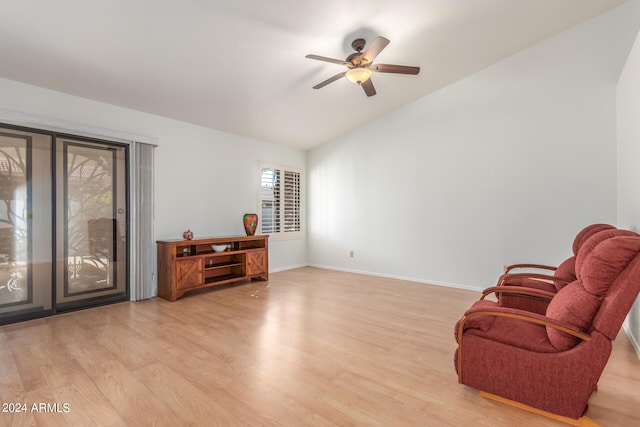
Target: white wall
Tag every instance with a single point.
(205, 180)
(628, 163)
(504, 166)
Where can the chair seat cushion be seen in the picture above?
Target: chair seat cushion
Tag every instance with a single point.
(510, 331)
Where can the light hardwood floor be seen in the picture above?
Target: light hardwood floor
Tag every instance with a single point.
(311, 347)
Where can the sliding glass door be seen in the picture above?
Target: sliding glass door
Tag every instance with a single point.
(91, 225)
(63, 223)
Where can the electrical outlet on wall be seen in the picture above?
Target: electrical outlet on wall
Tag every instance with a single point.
(350, 254)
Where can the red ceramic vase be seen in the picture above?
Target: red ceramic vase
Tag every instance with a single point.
(250, 222)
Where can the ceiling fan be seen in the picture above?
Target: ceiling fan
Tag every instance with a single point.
(360, 65)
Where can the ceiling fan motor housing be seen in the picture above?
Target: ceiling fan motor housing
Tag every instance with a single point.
(358, 44)
(354, 60)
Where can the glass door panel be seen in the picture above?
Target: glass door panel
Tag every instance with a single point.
(91, 222)
(25, 224)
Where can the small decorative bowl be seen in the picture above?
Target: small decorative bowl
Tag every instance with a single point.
(219, 248)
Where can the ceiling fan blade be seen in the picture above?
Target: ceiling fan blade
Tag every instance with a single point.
(325, 59)
(330, 80)
(368, 88)
(375, 48)
(397, 69)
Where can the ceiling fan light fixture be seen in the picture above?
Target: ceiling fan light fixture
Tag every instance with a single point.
(359, 75)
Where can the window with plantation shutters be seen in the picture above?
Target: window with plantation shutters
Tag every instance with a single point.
(280, 201)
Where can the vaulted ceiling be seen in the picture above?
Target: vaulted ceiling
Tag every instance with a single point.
(240, 66)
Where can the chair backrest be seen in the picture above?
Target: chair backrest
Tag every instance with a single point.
(567, 269)
(586, 233)
(592, 242)
(608, 270)
(623, 289)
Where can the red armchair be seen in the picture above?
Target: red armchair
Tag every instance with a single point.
(550, 364)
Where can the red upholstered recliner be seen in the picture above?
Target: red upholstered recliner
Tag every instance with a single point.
(563, 274)
(550, 364)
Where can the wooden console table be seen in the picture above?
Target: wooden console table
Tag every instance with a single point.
(185, 265)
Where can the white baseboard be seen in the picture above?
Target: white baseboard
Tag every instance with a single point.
(290, 267)
(409, 279)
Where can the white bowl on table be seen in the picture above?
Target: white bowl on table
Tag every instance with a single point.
(219, 248)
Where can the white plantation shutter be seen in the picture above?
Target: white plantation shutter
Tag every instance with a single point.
(291, 201)
(280, 201)
(270, 201)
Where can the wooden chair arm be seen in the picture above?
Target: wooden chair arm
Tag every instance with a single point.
(536, 266)
(537, 276)
(518, 290)
(514, 314)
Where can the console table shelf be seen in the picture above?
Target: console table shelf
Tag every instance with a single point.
(185, 265)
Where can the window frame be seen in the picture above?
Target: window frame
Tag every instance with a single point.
(281, 234)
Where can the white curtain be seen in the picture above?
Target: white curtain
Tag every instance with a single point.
(142, 259)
